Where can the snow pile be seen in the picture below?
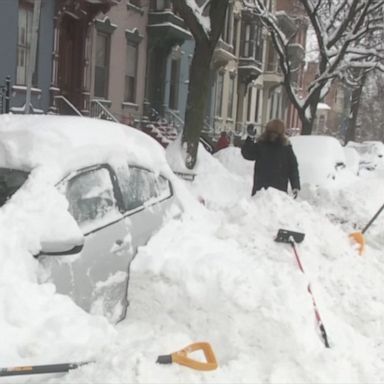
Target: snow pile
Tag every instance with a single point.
(321, 159)
(217, 275)
(352, 159)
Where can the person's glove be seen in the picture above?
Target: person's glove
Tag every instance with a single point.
(251, 130)
(295, 193)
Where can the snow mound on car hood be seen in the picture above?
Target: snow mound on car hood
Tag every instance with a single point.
(27, 141)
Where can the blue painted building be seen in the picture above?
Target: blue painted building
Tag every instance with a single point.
(15, 45)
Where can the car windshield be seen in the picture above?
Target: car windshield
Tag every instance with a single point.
(10, 181)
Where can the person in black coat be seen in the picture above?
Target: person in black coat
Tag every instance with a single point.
(275, 161)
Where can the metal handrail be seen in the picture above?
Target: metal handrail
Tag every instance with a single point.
(104, 110)
(175, 117)
(69, 104)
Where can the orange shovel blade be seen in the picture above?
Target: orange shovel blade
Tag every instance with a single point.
(359, 239)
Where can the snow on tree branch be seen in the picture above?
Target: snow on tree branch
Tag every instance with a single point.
(200, 13)
(198, 23)
(348, 34)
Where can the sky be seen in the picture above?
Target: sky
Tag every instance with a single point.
(215, 275)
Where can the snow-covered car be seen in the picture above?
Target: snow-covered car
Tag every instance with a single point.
(352, 159)
(320, 158)
(93, 191)
(371, 153)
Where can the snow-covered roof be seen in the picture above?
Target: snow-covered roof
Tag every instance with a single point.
(27, 141)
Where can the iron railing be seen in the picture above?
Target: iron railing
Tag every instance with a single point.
(100, 111)
(65, 107)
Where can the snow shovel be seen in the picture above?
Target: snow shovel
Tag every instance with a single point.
(285, 236)
(358, 237)
(39, 369)
(181, 357)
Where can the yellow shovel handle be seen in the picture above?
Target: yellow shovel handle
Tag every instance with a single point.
(181, 357)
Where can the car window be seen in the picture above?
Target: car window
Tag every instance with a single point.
(91, 198)
(140, 186)
(10, 181)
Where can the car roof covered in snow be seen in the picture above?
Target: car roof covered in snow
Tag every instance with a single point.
(27, 141)
(317, 156)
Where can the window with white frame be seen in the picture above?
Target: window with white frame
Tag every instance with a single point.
(274, 108)
(227, 30)
(231, 95)
(174, 84)
(234, 35)
(219, 93)
(102, 64)
(24, 38)
(249, 103)
(131, 73)
(247, 41)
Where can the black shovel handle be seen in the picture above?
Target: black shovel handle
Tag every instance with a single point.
(39, 369)
(373, 219)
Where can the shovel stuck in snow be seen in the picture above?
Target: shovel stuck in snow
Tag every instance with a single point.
(285, 236)
(358, 237)
(39, 369)
(181, 357)
(290, 237)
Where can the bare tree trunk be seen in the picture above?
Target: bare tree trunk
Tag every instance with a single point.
(307, 126)
(350, 135)
(196, 101)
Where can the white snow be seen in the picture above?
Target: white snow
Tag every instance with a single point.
(321, 159)
(215, 275)
(323, 106)
(198, 11)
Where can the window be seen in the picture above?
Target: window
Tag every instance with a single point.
(274, 111)
(247, 41)
(258, 43)
(231, 95)
(24, 38)
(140, 187)
(102, 64)
(91, 198)
(249, 106)
(227, 30)
(219, 93)
(234, 37)
(174, 84)
(158, 5)
(257, 105)
(131, 72)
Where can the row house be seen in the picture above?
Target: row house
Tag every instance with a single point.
(294, 22)
(16, 30)
(124, 60)
(61, 78)
(248, 87)
(333, 111)
(128, 60)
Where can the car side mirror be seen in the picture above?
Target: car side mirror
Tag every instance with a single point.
(61, 236)
(61, 247)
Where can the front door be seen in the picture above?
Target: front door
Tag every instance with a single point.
(71, 59)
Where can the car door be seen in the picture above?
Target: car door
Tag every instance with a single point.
(97, 278)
